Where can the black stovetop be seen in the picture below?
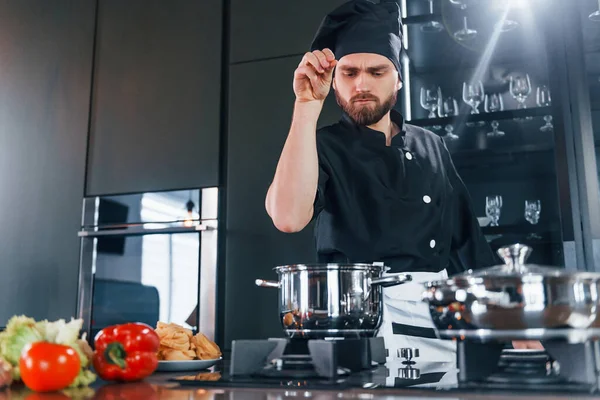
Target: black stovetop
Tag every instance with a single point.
(431, 375)
(440, 376)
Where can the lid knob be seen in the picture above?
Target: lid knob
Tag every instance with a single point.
(515, 256)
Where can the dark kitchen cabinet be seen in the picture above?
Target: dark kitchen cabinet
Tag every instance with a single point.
(275, 28)
(485, 77)
(46, 49)
(260, 111)
(156, 96)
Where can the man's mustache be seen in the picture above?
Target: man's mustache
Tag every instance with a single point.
(359, 97)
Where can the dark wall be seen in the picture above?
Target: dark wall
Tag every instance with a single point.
(274, 28)
(156, 101)
(259, 120)
(45, 70)
(267, 43)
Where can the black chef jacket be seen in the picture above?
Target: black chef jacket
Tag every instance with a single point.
(403, 204)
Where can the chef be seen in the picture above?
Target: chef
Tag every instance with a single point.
(380, 190)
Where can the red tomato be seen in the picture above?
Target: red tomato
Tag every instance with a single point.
(46, 367)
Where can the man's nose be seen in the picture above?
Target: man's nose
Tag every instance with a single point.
(362, 83)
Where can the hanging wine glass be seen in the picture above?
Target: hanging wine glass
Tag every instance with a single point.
(520, 89)
(432, 26)
(493, 208)
(532, 211)
(430, 96)
(595, 16)
(544, 100)
(473, 95)
(449, 108)
(494, 103)
(465, 33)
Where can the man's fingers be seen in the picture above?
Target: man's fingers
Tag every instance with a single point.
(329, 54)
(322, 59)
(306, 71)
(311, 59)
(332, 65)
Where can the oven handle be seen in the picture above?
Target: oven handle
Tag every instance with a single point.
(139, 231)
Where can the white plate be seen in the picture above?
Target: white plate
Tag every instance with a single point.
(189, 365)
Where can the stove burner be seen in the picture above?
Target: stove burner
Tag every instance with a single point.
(489, 365)
(303, 359)
(528, 363)
(510, 377)
(525, 367)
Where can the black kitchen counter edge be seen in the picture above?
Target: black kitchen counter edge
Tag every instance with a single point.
(160, 386)
(264, 390)
(163, 385)
(292, 392)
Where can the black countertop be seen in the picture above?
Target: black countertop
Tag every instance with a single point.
(437, 381)
(523, 375)
(427, 379)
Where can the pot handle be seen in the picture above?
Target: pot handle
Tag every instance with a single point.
(391, 280)
(269, 284)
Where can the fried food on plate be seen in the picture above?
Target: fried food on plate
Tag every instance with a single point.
(176, 355)
(174, 336)
(162, 327)
(179, 344)
(205, 348)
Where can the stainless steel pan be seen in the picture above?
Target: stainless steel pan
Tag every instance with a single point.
(331, 300)
(515, 300)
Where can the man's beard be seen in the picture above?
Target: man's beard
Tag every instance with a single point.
(366, 114)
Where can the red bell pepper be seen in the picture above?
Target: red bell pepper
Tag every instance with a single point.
(126, 352)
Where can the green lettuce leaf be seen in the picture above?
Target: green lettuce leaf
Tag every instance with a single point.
(85, 378)
(61, 332)
(20, 331)
(65, 333)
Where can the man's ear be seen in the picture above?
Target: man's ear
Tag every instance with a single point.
(334, 85)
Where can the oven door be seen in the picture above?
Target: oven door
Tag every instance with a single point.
(148, 258)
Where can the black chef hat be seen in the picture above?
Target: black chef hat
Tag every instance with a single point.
(360, 26)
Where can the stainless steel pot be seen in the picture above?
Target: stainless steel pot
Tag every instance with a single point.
(514, 300)
(331, 300)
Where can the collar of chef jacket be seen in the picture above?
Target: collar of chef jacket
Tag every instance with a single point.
(374, 136)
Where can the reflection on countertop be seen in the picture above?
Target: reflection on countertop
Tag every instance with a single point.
(158, 387)
(394, 380)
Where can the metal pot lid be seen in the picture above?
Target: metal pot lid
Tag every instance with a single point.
(515, 263)
(515, 257)
(331, 267)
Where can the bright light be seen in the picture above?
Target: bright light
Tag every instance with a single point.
(510, 4)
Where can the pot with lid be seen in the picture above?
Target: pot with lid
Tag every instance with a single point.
(331, 300)
(514, 300)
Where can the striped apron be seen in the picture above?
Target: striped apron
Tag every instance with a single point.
(407, 322)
